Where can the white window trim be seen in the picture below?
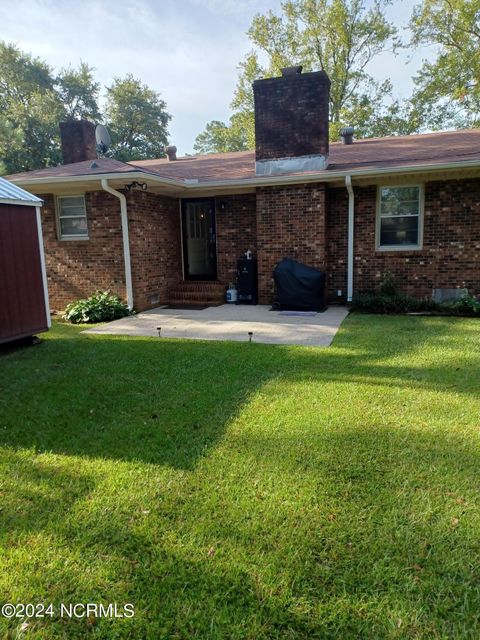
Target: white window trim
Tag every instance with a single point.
(421, 207)
(70, 237)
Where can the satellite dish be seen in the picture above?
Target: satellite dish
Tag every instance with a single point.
(103, 138)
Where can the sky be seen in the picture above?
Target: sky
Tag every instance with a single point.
(187, 50)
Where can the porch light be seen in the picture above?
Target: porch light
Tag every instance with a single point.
(136, 185)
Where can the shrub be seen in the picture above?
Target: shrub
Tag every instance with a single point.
(398, 303)
(388, 284)
(467, 304)
(102, 306)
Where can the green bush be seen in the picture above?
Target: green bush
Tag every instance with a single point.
(468, 305)
(388, 284)
(102, 306)
(397, 303)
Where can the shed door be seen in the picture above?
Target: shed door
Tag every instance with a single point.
(22, 300)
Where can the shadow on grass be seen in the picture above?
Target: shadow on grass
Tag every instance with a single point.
(168, 402)
(292, 525)
(310, 542)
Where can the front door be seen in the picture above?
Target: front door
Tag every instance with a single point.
(199, 239)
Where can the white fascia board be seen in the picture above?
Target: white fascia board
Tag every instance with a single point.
(98, 177)
(323, 176)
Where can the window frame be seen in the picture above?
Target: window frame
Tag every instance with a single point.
(421, 206)
(58, 207)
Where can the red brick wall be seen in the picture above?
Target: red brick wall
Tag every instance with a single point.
(337, 240)
(451, 241)
(236, 233)
(276, 222)
(155, 247)
(76, 268)
(290, 223)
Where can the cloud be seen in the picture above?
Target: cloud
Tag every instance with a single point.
(188, 50)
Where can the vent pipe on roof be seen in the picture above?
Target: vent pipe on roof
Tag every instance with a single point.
(346, 135)
(171, 152)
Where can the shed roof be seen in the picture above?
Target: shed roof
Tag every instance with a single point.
(11, 194)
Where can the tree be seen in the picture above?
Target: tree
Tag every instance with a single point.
(218, 138)
(32, 103)
(30, 110)
(79, 93)
(137, 119)
(448, 89)
(33, 100)
(341, 37)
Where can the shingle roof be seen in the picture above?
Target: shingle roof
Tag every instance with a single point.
(447, 147)
(10, 192)
(87, 167)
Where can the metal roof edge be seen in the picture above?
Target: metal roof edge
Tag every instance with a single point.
(23, 203)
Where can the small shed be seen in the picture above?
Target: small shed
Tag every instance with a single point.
(24, 309)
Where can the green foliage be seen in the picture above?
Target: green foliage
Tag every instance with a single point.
(467, 305)
(137, 120)
(389, 300)
(447, 92)
(388, 284)
(79, 93)
(218, 137)
(372, 302)
(102, 306)
(341, 37)
(33, 100)
(30, 111)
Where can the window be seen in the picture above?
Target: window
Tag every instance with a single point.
(399, 217)
(72, 218)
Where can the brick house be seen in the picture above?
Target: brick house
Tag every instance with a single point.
(171, 230)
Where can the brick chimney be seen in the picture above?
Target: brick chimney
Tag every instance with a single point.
(291, 122)
(78, 141)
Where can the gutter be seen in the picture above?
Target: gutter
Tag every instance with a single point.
(126, 241)
(351, 215)
(190, 185)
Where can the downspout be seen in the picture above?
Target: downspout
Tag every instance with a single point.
(43, 267)
(126, 241)
(351, 210)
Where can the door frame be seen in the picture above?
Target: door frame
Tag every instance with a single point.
(186, 275)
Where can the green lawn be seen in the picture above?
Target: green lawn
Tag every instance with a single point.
(245, 491)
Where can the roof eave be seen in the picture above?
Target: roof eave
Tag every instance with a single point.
(322, 176)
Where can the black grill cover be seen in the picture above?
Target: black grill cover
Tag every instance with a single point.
(299, 287)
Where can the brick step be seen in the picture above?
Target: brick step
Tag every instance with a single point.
(200, 286)
(196, 295)
(183, 302)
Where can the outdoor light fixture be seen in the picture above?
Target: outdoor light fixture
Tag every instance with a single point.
(136, 185)
(221, 206)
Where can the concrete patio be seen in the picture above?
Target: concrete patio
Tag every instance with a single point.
(231, 322)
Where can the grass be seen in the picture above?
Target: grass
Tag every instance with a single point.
(245, 491)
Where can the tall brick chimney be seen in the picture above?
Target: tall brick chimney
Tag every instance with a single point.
(291, 122)
(78, 141)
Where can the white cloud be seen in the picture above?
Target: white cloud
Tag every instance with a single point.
(188, 50)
